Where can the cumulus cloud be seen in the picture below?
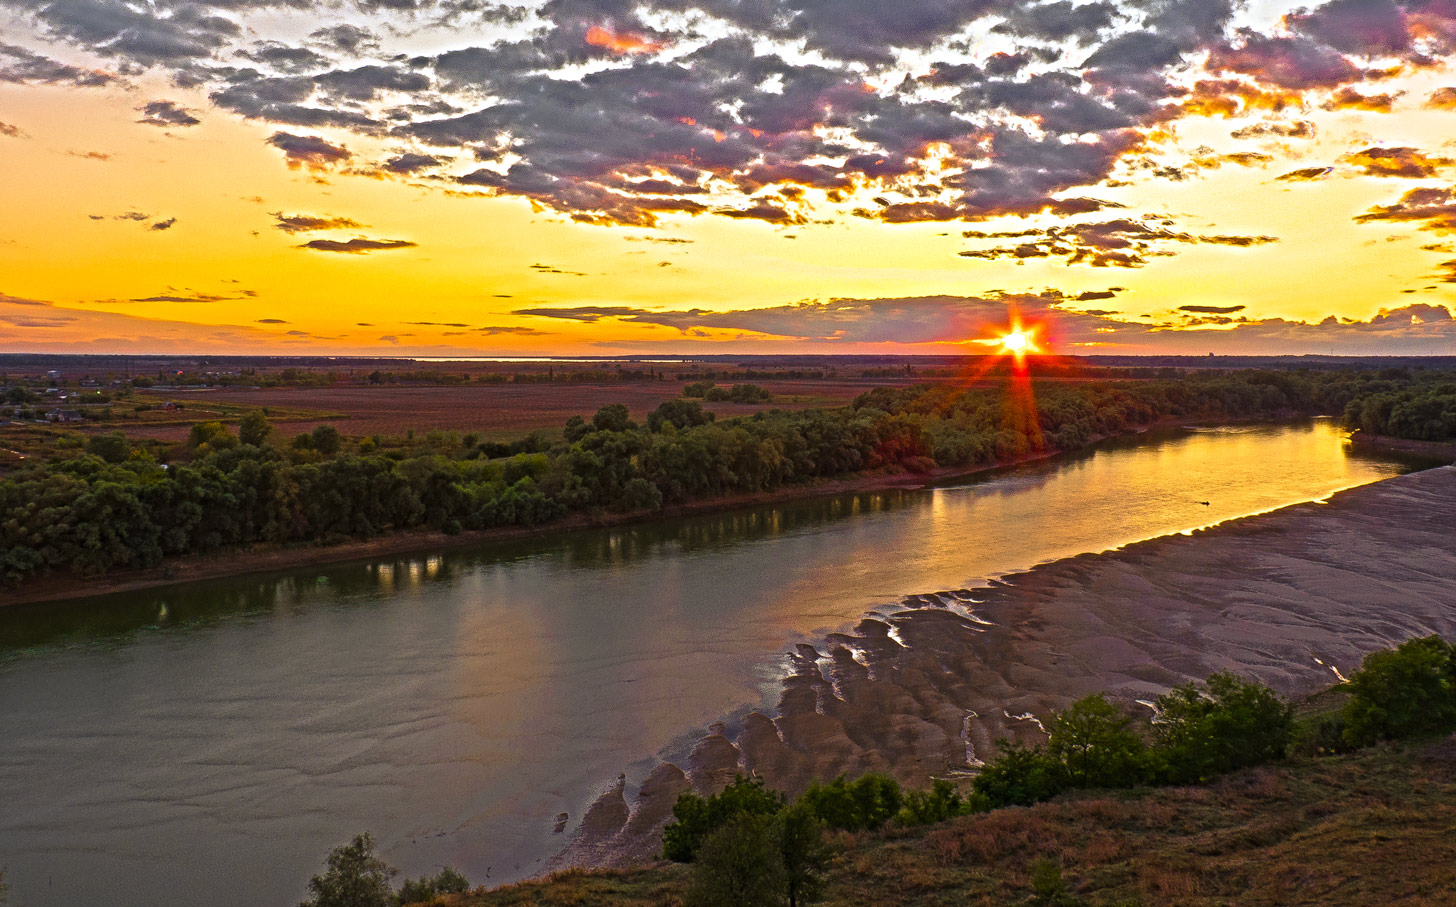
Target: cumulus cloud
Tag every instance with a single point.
(625, 114)
(166, 113)
(357, 246)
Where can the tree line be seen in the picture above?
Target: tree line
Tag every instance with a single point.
(115, 505)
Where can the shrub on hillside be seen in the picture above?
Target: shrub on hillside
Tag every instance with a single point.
(1208, 729)
(1402, 692)
(698, 817)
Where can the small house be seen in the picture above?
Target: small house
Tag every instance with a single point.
(64, 415)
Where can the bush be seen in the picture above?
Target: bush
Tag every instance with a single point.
(427, 888)
(939, 803)
(1227, 724)
(698, 817)
(867, 803)
(1020, 775)
(1095, 745)
(1410, 690)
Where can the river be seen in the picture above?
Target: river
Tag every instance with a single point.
(209, 743)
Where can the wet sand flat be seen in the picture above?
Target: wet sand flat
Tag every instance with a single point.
(1293, 598)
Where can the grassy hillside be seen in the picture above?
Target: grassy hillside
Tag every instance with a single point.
(1374, 827)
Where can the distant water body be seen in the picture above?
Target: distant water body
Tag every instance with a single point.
(208, 744)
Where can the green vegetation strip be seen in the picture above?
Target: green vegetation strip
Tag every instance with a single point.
(116, 505)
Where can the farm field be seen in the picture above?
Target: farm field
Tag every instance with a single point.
(493, 411)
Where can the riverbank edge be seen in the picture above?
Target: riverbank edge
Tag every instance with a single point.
(1401, 445)
(264, 560)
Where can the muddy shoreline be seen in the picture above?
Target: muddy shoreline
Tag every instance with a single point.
(1293, 598)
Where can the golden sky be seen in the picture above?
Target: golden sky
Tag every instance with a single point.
(442, 177)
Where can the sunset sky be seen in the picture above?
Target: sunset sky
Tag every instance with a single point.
(441, 177)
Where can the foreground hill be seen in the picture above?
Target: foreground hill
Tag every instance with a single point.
(1369, 828)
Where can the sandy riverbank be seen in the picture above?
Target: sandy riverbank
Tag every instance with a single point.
(1293, 598)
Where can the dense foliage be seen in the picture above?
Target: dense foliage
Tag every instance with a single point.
(113, 505)
(354, 876)
(1416, 411)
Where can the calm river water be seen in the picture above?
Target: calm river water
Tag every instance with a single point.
(208, 744)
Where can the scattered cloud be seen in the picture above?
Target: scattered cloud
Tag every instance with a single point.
(1306, 175)
(166, 114)
(549, 269)
(1119, 243)
(1212, 309)
(1350, 99)
(309, 151)
(357, 246)
(1434, 208)
(1403, 162)
(23, 67)
(167, 224)
(493, 330)
(11, 131)
(308, 223)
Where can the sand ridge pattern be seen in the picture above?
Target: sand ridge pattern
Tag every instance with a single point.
(1292, 598)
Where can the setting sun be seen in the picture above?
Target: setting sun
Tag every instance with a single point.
(1016, 342)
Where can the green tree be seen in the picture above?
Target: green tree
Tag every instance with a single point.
(1410, 690)
(866, 803)
(112, 447)
(679, 413)
(698, 817)
(613, 417)
(254, 428)
(326, 439)
(210, 436)
(1095, 744)
(804, 853)
(739, 865)
(353, 877)
(1227, 724)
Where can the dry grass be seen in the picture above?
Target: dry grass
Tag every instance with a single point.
(1371, 828)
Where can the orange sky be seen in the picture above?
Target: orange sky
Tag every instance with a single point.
(165, 236)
